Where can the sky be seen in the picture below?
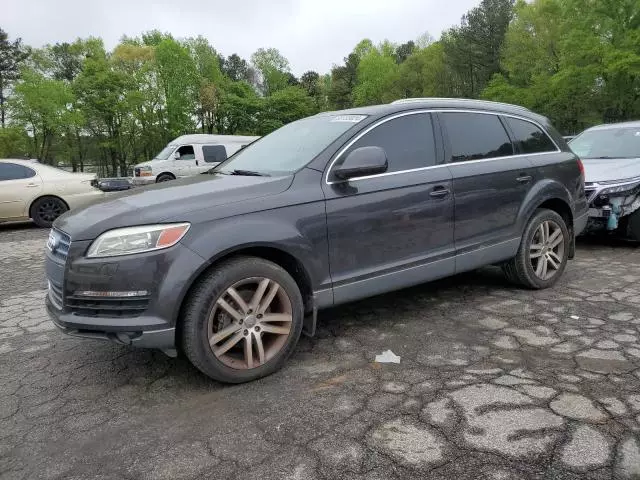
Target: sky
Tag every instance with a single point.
(311, 34)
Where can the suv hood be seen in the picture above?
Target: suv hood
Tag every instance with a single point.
(610, 169)
(168, 200)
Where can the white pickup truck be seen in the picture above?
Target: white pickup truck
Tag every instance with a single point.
(189, 155)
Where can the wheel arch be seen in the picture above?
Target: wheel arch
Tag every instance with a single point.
(553, 196)
(165, 173)
(276, 254)
(40, 197)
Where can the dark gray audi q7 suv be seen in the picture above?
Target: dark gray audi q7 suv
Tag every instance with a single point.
(231, 266)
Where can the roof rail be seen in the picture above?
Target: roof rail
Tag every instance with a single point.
(479, 102)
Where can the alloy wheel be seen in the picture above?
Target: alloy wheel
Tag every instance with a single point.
(50, 210)
(546, 252)
(250, 323)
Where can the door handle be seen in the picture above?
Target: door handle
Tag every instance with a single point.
(439, 192)
(31, 185)
(524, 178)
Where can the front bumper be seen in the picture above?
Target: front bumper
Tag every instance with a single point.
(144, 180)
(144, 321)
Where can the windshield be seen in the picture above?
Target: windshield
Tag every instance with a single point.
(623, 142)
(166, 151)
(291, 147)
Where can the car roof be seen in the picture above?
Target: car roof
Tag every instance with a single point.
(444, 103)
(613, 126)
(206, 138)
(21, 161)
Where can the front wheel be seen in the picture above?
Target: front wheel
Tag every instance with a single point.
(543, 253)
(242, 320)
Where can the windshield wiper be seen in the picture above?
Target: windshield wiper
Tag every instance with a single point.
(248, 173)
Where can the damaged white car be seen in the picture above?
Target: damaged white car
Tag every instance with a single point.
(611, 157)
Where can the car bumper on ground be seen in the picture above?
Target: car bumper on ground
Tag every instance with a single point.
(129, 299)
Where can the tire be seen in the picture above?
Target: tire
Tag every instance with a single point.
(165, 177)
(203, 319)
(45, 210)
(633, 226)
(523, 268)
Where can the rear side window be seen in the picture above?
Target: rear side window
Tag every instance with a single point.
(475, 136)
(214, 153)
(408, 142)
(13, 171)
(528, 137)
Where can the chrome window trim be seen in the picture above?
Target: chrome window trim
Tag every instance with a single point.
(433, 110)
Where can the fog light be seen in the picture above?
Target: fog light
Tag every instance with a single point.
(96, 293)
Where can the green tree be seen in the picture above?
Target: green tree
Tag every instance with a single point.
(12, 54)
(42, 106)
(178, 78)
(376, 76)
(273, 68)
(284, 106)
(473, 49)
(343, 80)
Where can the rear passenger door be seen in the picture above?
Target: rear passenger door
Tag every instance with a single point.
(394, 229)
(490, 183)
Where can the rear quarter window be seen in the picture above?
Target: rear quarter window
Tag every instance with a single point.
(528, 137)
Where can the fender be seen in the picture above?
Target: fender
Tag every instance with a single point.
(306, 241)
(541, 192)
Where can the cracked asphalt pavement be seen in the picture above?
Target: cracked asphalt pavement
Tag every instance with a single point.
(494, 382)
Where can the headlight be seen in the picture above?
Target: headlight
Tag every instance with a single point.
(130, 240)
(624, 187)
(145, 171)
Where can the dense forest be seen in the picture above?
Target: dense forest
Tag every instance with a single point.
(77, 104)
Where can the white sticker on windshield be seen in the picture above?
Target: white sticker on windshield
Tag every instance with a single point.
(348, 118)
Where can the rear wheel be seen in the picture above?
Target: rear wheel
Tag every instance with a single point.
(543, 253)
(46, 209)
(242, 320)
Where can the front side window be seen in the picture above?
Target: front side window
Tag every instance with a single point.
(475, 136)
(214, 153)
(186, 153)
(528, 137)
(408, 142)
(13, 171)
(606, 143)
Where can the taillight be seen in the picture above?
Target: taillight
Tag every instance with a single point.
(580, 166)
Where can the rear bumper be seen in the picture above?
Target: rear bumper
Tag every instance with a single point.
(579, 223)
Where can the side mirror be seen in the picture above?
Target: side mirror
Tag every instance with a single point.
(361, 162)
(176, 155)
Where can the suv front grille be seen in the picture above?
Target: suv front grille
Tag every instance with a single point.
(107, 307)
(59, 244)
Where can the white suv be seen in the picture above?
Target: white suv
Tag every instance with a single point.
(189, 155)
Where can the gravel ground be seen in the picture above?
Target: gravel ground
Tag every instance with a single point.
(494, 382)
